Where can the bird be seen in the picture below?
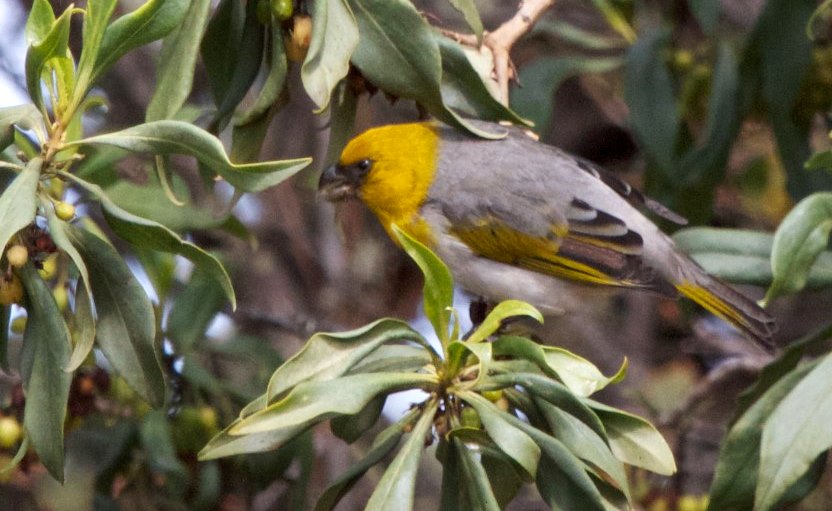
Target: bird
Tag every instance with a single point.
(514, 218)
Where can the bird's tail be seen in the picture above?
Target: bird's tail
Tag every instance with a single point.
(732, 306)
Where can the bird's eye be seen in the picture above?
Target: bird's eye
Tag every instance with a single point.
(364, 165)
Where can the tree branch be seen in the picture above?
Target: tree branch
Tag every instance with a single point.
(501, 40)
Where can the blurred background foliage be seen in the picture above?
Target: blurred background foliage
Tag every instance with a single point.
(712, 107)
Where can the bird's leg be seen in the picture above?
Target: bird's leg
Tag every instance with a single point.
(478, 309)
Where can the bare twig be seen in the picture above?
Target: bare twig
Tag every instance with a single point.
(501, 40)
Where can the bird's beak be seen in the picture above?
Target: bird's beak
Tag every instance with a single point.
(333, 185)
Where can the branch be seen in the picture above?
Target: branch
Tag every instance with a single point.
(501, 40)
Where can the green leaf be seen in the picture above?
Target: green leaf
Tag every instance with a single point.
(708, 160)
(615, 18)
(210, 484)
(175, 72)
(82, 327)
(350, 428)
(273, 85)
(342, 110)
(577, 373)
(558, 492)
(9, 468)
(550, 390)
(820, 161)
(44, 355)
(503, 475)
(575, 35)
(326, 356)
(439, 285)
(149, 201)
(743, 257)
(394, 358)
(311, 402)
(778, 57)
(159, 267)
(801, 237)
(161, 456)
(18, 204)
(26, 116)
(177, 137)
(464, 86)
(821, 14)
(242, 62)
(53, 44)
(334, 40)
(96, 16)
(795, 434)
(648, 90)
(396, 487)
(147, 234)
(576, 483)
(782, 365)
(705, 240)
(504, 310)
(397, 52)
(152, 21)
(59, 231)
(542, 78)
(247, 139)
(513, 442)
(221, 45)
(584, 443)
(480, 494)
(383, 444)
(99, 164)
(5, 323)
(40, 21)
(193, 310)
(225, 444)
(126, 330)
(635, 441)
(471, 15)
(457, 356)
(735, 478)
(450, 498)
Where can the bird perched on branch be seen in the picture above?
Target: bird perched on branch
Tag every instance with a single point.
(515, 218)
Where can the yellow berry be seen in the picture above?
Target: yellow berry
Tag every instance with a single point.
(11, 289)
(683, 59)
(17, 255)
(19, 324)
(121, 392)
(493, 395)
(209, 418)
(10, 432)
(49, 267)
(282, 9)
(64, 210)
(687, 503)
(61, 297)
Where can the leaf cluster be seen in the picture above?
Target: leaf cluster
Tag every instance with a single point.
(503, 409)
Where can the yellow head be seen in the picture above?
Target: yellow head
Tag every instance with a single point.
(390, 169)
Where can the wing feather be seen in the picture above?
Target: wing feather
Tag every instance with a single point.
(605, 257)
